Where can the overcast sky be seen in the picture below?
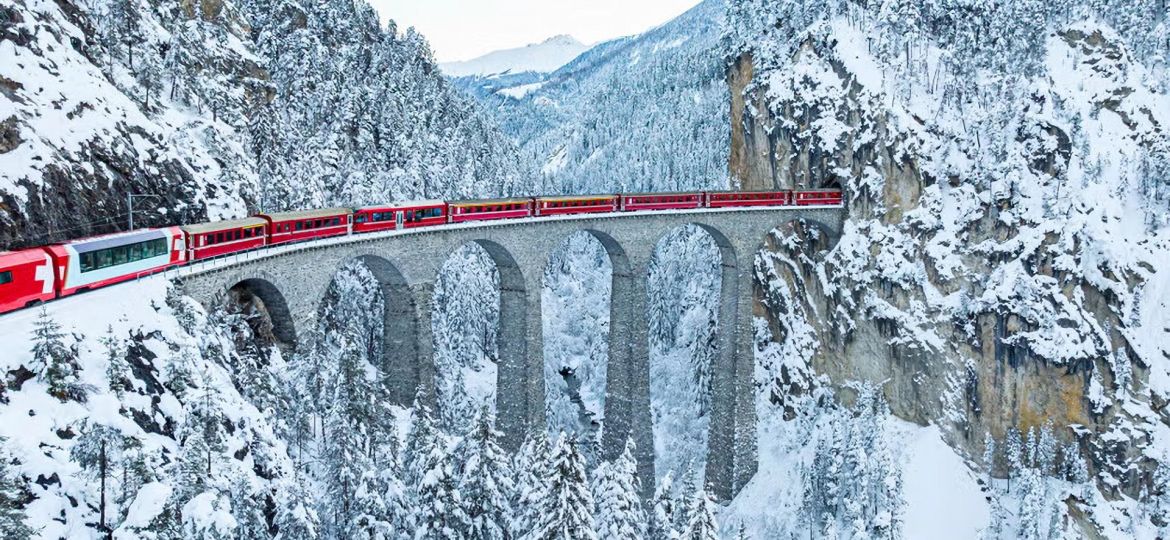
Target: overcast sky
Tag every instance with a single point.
(465, 29)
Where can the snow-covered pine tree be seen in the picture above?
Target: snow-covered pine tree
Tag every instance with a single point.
(566, 506)
(741, 533)
(485, 481)
(55, 362)
(701, 524)
(248, 510)
(117, 369)
(420, 440)
(619, 511)
(1161, 499)
(374, 506)
(11, 499)
(343, 465)
(438, 513)
(97, 450)
(663, 516)
(295, 517)
(529, 467)
(683, 497)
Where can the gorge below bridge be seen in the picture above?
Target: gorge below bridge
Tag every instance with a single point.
(292, 280)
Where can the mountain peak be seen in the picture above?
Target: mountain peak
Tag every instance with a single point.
(544, 57)
(563, 39)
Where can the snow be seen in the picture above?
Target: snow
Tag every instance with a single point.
(148, 504)
(518, 92)
(943, 498)
(544, 57)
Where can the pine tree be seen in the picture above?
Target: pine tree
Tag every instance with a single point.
(55, 363)
(530, 468)
(420, 439)
(701, 523)
(117, 369)
(664, 512)
(12, 516)
(485, 482)
(619, 506)
(97, 450)
(566, 506)
(248, 510)
(439, 513)
(295, 517)
(683, 499)
(741, 533)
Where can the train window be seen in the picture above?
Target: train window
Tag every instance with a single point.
(87, 262)
(300, 225)
(5, 277)
(360, 218)
(103, 258)
(120, 255)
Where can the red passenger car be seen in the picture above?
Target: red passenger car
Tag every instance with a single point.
(297, 226)
(462, 211)
(399, 216)
(207, 240)
(93, 263)
(661, 201)
(729, 199)
(585, 204)
(823, 197)
(26, 278)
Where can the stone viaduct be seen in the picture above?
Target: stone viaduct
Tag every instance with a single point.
(292, 282)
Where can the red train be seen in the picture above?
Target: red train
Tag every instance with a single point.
(37, 275)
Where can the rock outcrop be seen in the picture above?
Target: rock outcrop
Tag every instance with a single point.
(982, 298)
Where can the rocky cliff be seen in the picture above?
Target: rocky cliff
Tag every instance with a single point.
(1001, 266)
(212, 109)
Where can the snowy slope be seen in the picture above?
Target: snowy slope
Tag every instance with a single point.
(640, 113)
(544, 57)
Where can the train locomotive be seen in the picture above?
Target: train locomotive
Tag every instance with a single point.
(33, 276)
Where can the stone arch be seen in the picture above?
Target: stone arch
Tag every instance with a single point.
(731, 428)
(401, 361)
(513, 410)
(260, 295)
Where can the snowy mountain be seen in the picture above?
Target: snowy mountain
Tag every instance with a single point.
(223, 108)
(642, 113)
(1002, 273)
(544, 57)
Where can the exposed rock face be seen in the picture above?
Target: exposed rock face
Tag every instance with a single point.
(972, 308)
(91, 120)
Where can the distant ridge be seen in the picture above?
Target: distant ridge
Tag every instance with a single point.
(544, 57)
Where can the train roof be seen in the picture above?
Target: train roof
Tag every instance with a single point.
(579, 197)
(94, 243)
(662, 193)
(200, 228)
(427, 202)
(308, 214)
(721, 191)
(491, 201)
(22, 255)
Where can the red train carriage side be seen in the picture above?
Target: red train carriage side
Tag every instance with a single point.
(462, 211)
(731, 199)
(93, 263)
(405, 216)
(207, 240)
(584, 204)
(821, 197)
(26, 278)
(661, 201)
(297, 226)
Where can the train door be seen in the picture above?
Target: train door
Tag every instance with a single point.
(399, 219)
